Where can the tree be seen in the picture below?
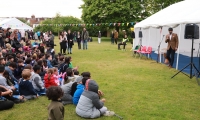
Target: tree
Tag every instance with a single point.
(157, 5)
(109, 11)
(106, 11)
(120, 11)
(59, 23)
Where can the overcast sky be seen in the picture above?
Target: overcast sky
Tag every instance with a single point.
(40, 8)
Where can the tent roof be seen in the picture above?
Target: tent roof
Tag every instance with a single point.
(14, 23)
(183, 12)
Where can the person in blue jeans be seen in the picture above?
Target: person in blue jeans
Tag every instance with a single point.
(85, 36)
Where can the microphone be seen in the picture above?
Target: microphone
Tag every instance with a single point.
(163, 35)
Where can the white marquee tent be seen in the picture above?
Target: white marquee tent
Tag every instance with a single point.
(176, 16)
(14, 23)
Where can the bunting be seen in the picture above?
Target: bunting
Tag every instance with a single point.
(92, 24)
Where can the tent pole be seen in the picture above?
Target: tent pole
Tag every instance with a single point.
(178, 47)
(159, 51)
(149, 39)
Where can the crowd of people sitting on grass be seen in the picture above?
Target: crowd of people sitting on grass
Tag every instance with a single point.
(28, 71)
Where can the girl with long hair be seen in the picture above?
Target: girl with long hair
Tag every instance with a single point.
(49, 80)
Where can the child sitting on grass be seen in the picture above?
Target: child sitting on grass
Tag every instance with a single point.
(79, 90)
(49, 80)
(55, 108)
(89, 104)
(25, 86)
(67, 96)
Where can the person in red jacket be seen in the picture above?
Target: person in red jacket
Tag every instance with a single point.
(49, 80)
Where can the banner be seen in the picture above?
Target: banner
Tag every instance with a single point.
(131, 24)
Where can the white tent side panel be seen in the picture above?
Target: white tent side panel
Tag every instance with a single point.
(14, 23)
(155, 37)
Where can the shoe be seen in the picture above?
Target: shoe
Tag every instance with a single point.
(64, 54)
(17, 101)
(109, 113)
(70, 53)
(119, 49)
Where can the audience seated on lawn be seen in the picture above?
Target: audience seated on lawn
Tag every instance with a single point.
(33, 70)
(89, 105)
(25, 86)
(79, 90)
(78, 81)
(4, 103)
(37, 82)
(68, 80)
(49, 80)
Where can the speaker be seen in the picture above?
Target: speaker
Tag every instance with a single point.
(140, 34)
(191, 31)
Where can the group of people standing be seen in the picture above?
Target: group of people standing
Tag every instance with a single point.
(114, 37)
(66, 40)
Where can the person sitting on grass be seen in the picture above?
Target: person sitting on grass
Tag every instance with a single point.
(49, 80)
(55, 108)
(89, 105)
(10, 59)
(2, 61)
(78, 80)
(49, 58)
(124, 40)
(3, 80)
(79, 90)
(9, 86)
(37, 82)
(67, 97)
(25, 86)
(4, 103)
(70, 64)
(10, 69)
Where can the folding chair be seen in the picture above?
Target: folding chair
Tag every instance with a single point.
(148, 51)
(142, 50)
(124, 47)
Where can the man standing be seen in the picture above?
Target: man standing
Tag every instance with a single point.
(99, 37)
(172, 40)
(51, 39)
(112, 37)
(85, 36)
(116, 36)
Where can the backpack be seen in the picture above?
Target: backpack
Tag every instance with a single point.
(63, 68)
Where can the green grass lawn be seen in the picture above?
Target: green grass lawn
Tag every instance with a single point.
(134, 88)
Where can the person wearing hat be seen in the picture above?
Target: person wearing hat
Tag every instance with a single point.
(99, 37)
(172, 40)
